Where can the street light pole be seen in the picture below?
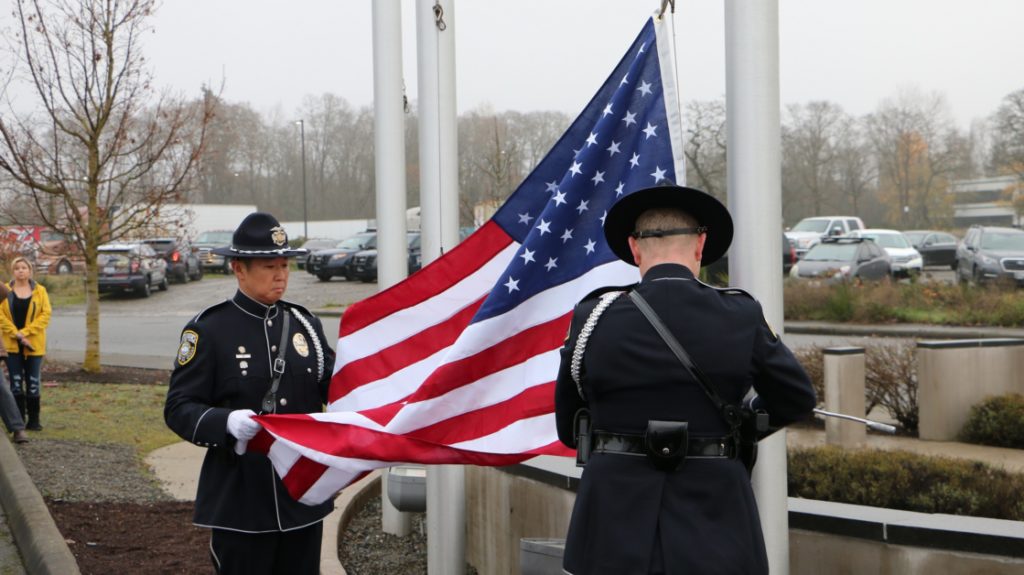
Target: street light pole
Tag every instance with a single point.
(305, 214)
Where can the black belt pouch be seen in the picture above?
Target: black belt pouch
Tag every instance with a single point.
(666, 443)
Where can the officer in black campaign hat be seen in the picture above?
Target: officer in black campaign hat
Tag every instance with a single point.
(664, 489)
(254, 353)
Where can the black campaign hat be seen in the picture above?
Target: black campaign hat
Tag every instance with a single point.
(702, 206)
(259, 235)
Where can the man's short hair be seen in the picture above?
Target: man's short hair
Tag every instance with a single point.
(664, 219)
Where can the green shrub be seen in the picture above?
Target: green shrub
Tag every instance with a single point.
(997, 421)
(907, 481)
(924, 302)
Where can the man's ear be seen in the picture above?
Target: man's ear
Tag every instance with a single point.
(634, 248)
(699, 248)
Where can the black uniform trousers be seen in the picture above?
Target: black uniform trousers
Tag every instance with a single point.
(277, 553)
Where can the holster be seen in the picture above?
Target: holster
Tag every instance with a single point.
(584, 439)
(666, 443)
(753, 426)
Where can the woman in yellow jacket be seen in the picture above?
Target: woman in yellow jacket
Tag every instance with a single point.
(24, 316)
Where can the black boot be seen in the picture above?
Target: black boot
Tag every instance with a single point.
(19, 400)
(33, 414)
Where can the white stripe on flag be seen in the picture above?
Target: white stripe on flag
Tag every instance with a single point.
(410, 321)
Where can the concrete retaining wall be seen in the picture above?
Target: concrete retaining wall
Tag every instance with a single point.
(955, 375)
(502, 508)
(505, 505)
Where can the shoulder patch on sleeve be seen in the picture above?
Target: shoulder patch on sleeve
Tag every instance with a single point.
(187, 347)
(734, 291)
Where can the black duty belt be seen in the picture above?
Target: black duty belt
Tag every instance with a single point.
(698, 447)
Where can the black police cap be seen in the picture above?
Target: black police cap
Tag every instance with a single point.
(702, 206)
(259, 235)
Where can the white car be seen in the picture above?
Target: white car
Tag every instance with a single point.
(906, 261)
(809, 231)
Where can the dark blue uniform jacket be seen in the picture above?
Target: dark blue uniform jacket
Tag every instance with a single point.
(703, 514)
(223, 364)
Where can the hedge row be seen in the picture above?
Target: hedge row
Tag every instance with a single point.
(904, 480)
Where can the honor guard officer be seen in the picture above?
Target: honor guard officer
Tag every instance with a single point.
(254, 353)
(663, 489)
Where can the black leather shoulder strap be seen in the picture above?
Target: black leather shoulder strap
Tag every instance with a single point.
(684, 358)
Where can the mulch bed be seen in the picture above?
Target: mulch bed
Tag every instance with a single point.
(121, 536)
(133, 537)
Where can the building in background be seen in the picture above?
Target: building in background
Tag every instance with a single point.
(996, 201)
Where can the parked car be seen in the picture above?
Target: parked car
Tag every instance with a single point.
(182, 263)
(334, 262)
(990, 253)
(843, 258)
(314, 244)
(936, 248)
(810, 231)
(364, 263)
(905, 260)
(206, 242)
(718, 272)
(131, 267)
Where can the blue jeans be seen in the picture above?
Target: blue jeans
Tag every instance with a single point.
(24, 369)
(9, 411)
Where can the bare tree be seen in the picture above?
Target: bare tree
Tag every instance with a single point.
(918, 151)
(1008, 135)
(855, 171)
(705, 148)
(811, 147)
(101, 155)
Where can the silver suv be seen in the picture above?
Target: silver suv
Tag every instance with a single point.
(810, 231)
(989, 253)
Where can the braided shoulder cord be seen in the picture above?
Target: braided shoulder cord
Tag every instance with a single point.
(581, 342)
(317, 346)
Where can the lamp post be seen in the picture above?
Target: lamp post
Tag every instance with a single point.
(305, 215)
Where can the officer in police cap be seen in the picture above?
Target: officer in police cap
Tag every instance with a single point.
(663, 490)
(252, 354)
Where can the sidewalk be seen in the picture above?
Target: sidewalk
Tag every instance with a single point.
(177, 468)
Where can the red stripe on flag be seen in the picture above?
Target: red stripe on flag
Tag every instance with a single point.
(464, 259)
(512, 350)
(304, 473)
(534, 401)
(345, 440)
(404, 353)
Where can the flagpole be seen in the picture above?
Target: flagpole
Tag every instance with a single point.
(439, 170)
(389, 167)
(755, 200)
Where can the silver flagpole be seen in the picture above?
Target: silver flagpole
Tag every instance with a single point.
(755, 200)
(389, 167)
(439, 170)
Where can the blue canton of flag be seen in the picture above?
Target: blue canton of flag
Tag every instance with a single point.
(619, 144)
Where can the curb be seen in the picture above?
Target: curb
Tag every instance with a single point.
(42, 547)
(917, 331)
(348, 504)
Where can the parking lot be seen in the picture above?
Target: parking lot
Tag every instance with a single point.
(191, 298)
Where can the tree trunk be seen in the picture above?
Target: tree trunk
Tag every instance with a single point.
(91, 362)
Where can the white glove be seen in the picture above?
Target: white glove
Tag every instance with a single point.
(241, 424)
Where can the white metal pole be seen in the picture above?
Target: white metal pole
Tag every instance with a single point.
(435, 33)
(389, 168)
(755, 200)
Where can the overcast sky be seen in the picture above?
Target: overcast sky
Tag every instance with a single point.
(554, 54)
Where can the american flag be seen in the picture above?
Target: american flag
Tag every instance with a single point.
(457, 363)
